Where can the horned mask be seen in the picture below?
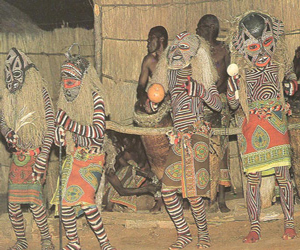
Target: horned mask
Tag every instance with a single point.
(72, 73)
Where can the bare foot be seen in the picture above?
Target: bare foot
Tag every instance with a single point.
(252, 237)
(289, 234)
(157, 207)
(223, 208)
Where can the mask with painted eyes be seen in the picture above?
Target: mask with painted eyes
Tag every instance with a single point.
(16, 65)
(72, 72)
(182, 50)
(257, 37)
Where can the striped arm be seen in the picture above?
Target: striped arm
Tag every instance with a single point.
(41, 161)
(212, 98)
(97, 130)
(233, 103)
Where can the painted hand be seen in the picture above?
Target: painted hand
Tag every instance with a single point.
(291, 87)
(11, 138)
(151, 107)
(60, 135)
(193, 88)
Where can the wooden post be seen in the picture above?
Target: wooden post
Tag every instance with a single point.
(98, 37)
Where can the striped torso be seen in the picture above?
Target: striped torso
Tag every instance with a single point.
(262, 84)
(186, 110)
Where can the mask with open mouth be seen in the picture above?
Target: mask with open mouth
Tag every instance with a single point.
(183, 48)
(257, 37)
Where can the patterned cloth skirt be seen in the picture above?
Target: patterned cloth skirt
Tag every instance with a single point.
(265, 143)
(187, 164)
(21, 189)
(81, 175)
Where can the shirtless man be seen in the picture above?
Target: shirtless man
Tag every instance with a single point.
(296, 63)
(157, 42)
(156, 147)
(131, 152)
(208, 28)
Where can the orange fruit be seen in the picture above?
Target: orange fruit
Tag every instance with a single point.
(156, 93)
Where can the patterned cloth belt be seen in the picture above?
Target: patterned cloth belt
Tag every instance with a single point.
(265, 112)
(89, 151)
(31, 152)
(175, 136)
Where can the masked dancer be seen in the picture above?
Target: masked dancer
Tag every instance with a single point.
(187, 72)
(27, 124)
(80, 124)
(258, 50)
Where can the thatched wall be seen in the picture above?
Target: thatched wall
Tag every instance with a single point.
(46, 50)
(125, 26)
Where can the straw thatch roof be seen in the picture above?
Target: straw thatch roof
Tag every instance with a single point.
(12, 20)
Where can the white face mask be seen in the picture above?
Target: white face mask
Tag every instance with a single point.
(16, 65)
(182, 50)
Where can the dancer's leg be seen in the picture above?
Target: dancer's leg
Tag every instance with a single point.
(69, 223)
(286, 199)
(198, 211)
(16, 217)
(253, 206)
(175, 211)
(40, 217)
(94, 218)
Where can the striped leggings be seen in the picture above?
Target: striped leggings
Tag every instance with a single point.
(286, 197)
(95, 221)
(17, 221)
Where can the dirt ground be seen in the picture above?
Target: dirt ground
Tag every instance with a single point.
(145, 231)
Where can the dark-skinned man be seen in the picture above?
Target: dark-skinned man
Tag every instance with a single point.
(157, 146)
(208, 27)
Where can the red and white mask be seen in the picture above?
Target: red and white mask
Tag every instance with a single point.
(257, 38)
(72, 72)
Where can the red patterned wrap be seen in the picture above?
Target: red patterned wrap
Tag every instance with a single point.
(22, 189)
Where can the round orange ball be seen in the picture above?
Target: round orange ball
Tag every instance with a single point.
(156, 93)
